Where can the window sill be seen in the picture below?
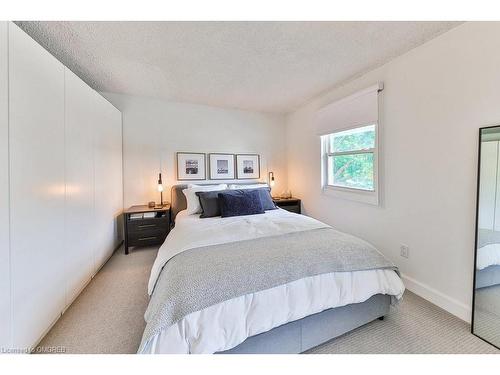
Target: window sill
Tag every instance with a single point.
(368, 197)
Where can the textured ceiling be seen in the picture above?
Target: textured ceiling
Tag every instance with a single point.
(261, 66)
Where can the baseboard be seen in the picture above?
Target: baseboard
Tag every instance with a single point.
(453, 306)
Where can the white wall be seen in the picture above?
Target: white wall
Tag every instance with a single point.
(154, 130)
(488, 187)
(435, 99)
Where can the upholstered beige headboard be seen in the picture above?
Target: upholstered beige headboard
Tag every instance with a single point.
(178, 199)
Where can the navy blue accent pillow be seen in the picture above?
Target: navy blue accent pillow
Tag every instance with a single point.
(209, 202)
(240, 202)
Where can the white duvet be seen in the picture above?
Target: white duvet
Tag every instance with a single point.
(488, 255)
(227, 324)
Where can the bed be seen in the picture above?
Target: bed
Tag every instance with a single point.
(488, 258)
(259, 284)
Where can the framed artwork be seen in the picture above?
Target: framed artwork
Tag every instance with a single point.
(221, 166)
(247, 166)
(191, 166)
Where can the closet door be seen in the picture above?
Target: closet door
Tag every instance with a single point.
(79, 233)
(5, 316)
(116, 199)
(108, 180)
(488, 176)
(37, 187)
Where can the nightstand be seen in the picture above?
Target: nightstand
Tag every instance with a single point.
(289, 204)
(146, 226)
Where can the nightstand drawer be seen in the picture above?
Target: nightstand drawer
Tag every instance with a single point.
(149, 237)
(147, 225)
(291, 207)
(289, 204)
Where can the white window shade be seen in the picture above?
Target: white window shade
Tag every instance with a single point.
(358, 109)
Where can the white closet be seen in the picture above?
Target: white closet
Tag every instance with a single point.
(36, 152)
(61, 184)
(79, 239)
(5, 305)
(108, 180)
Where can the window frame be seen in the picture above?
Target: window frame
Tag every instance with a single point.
(345, 192)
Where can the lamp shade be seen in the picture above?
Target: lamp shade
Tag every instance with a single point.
(271, 179)
(160, 183)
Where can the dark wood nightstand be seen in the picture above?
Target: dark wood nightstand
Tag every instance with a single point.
(146, 226)
(289, 204)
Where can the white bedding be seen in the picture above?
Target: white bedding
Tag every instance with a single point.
(227, 324)
(488, 255)
(190, 231)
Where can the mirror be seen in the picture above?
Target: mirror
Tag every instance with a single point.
(486, 296)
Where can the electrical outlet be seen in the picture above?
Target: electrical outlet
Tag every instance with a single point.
(405, 251)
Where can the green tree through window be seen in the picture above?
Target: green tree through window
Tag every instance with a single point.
(351, 155)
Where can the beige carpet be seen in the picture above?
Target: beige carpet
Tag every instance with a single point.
(108, 318)
(413, 326)
(487, 313)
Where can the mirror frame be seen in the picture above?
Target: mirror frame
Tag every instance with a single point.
(478, 171)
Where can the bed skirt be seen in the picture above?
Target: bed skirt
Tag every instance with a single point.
(488, 276)
(313, 330)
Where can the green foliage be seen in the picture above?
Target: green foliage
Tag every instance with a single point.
(354, 171)
(355, 140)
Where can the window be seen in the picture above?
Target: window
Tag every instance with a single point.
(350, 159)
(349, 130)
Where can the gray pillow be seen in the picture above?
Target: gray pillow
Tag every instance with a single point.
(209, 201)
(266, 199)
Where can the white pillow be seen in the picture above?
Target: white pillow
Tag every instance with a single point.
(249, 186)
(193, 202)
